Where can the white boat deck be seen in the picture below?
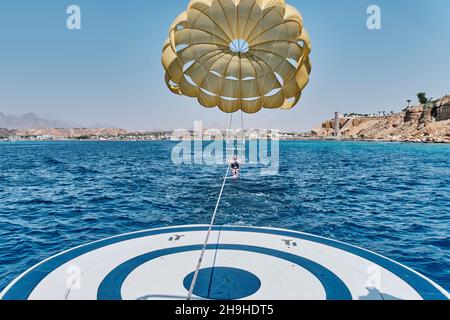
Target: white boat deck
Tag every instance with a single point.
(240, 263)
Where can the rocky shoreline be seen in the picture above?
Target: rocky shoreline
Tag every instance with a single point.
(418, 141)
(425, 123)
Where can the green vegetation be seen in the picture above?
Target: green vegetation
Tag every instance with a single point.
(422, 97)
(83, 138)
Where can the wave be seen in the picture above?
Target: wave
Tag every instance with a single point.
(84, 170)
(101, 199)
(102, 190)
(36, 201)
(52, 161)
(443, 242)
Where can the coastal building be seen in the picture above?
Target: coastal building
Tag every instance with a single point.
(44, 137)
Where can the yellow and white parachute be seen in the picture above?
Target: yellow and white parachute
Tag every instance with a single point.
(238, 54)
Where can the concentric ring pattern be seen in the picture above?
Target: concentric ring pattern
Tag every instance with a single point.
(239, 263)
(238, 54)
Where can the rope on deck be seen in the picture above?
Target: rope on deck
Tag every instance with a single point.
(205, 245)
(213, 219)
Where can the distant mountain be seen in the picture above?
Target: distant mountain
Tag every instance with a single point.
(30, 121)
(102, 125)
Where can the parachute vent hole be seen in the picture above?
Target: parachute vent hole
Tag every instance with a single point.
(229, 98)
(239, 46)
(292, 62)
(251, 99)
(291, 100)
(273, 92)
(209, 93)
(190, 81)
(279, 78)
(181, 47)
(188, 65)
(216, 73)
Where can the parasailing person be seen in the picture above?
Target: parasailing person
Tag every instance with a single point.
(235, 167)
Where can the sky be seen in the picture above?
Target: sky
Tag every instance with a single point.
(110, 72)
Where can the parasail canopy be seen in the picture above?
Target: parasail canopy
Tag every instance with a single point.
(238, 54)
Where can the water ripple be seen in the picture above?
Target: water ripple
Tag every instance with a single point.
(389, 198)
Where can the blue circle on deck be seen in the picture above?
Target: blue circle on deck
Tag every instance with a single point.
(223, 283)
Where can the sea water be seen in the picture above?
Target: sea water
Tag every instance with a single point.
(393, 199)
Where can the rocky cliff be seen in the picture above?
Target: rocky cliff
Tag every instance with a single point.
(422, 123)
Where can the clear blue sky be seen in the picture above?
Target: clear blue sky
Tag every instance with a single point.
(110, 72)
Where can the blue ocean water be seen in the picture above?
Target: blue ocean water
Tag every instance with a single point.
(390, 198)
